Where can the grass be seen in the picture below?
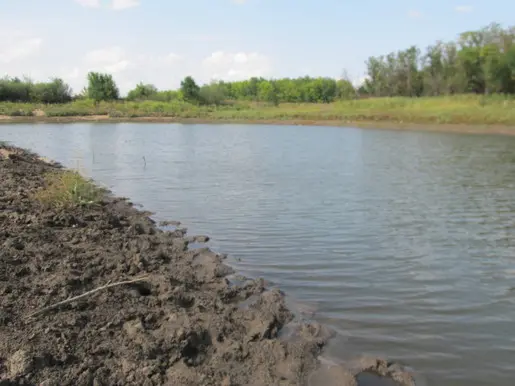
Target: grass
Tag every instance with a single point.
(67, 188)
(460, 109)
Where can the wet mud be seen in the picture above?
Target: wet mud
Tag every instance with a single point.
(152, 310)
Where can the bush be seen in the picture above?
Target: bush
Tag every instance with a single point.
(16, 90)
(102, 87)
(68, 188)
(55, 91)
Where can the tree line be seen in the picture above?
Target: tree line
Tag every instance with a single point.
(102, 87)
(24, 90)
(481, 62)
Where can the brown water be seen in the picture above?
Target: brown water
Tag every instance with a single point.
(403, 242)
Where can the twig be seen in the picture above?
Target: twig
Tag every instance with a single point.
(69, 300)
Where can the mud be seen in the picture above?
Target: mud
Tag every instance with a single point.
(183, 323)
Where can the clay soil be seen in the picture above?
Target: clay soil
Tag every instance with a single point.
(187, 321)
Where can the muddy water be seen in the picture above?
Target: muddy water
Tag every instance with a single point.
(403, 242)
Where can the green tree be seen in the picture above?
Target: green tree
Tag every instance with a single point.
(190, 90)
(56, 91)
(142, 92)
(102, 87)
(267, 92)
(345, 89)
(212, 94)
(16, 90)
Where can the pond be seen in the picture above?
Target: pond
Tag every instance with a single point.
(402, 242)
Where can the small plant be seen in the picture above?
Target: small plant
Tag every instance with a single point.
(68, 188)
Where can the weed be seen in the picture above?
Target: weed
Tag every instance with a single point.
(466, 109)
(65, 188)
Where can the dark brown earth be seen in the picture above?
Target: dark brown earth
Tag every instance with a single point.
(183, 323)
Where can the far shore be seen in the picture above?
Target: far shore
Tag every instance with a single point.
(498, 129)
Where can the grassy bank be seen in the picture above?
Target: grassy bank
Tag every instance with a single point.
(463, 109)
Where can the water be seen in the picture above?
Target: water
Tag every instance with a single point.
(402, 242)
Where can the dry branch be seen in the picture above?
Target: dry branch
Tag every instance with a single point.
(69, 300)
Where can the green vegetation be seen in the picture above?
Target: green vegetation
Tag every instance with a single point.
(471, 80)
(102, 87)
(66, 188)
(480, 62)
(466, 109)
(190, 90)
(17, 90)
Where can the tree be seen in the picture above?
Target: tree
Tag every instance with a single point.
(345, 89)
(190, 90)
(16, 90)
(55, 91)
(142, 92)
(212, 94)
(102, 87)
(267, 92)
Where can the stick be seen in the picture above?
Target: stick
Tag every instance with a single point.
(69, 300)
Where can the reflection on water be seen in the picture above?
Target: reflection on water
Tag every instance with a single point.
(402, 242)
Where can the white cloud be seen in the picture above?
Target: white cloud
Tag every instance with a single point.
(414, 14)
(89, 3)
(240, 1)
(73, 74)
(14, 47)
(124, 4)
(464, 8)
(236, 66)
(117, 67)
(112, 60)
(105, 55)
(173, 57)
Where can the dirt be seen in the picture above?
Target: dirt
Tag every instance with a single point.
(184, 323)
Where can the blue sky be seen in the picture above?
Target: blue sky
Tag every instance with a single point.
(160, 42)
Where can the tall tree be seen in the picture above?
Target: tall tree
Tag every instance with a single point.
(190, 90)
(102, 87)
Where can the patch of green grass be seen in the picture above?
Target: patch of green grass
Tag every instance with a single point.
(66, 188)
(16, 109)
(460, 109)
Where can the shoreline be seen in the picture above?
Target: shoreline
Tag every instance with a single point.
(384, 125)
(183, 321)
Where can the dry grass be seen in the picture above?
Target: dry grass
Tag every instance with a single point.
(458, 109)
(66, 188)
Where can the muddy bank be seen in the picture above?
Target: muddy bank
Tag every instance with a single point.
(385, 125)
(149, 310)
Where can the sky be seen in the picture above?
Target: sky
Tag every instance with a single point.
(160, 42)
